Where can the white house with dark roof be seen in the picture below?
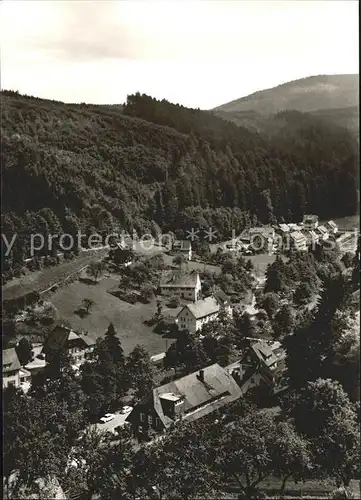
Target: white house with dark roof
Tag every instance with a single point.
(181, 284)
(270, 354)
(263, 362)
(11, 368)
(193, 316)
(182, 247)
(77, 345)
(269, 358)
(186, 399)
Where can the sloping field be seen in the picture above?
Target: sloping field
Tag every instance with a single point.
(38, 281)
(128, 319)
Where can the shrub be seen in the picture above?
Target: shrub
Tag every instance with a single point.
(147, 293)
(302, 293)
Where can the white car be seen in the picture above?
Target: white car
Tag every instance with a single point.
(126, 409)
(107, 418)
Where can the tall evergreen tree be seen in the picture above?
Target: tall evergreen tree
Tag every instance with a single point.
(140, 372)
(114, 346)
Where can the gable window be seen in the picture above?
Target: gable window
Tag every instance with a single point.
(150, 420)
(141, 417)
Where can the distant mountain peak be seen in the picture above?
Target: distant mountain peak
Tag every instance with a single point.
(306, 94)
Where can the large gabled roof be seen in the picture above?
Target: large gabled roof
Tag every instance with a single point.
(298, 237)
(221, 297)
(265, 231)
(10, 360)
(60, 335)
(203, 307)
(198, 397)
(178, 278)
(89, 341)
(269, 352)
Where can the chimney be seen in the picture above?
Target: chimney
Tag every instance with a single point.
(200, 375)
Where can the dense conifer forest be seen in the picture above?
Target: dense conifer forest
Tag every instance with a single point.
(151, 164)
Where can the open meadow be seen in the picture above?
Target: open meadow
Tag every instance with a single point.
(193, 265)
(128, 319)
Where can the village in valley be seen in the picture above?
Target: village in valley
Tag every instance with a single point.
(180, 250)
(223, 318)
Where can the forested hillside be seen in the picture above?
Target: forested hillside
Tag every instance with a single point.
(68, 167)
(269, 124)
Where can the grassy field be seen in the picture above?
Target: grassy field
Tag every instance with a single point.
(261, 262)
(40, 280)
(128, 319)
(193, 265)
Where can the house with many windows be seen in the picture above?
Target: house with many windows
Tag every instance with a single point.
(180, 284)
(310, 222)
(298, 241)
(193, 316)
(77, 345)
(186, 399)
(269, 357)
(11, 368)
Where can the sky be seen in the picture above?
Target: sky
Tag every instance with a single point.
(199, 53)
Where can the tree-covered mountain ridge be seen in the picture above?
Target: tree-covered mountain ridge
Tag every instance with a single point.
(151, 163)
(334, 98)
(306, 94)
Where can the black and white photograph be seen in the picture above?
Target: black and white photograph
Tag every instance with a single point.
(180, 249)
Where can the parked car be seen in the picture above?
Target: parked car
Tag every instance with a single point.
(126, 409)
(107, 417)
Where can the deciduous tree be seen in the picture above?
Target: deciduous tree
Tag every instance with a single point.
(323, 413)
(283, 321)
